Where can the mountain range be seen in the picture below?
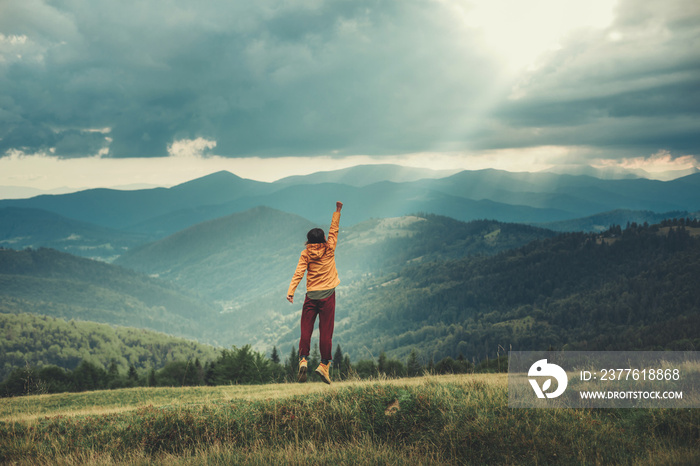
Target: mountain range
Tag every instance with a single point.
(467, 195)
(426, 283)
(460, 263)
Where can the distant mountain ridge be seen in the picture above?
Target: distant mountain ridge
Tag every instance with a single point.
(618, 173)
(436, 264)
(122, 209)
(22, 228)
(364, 175)
(467, 195)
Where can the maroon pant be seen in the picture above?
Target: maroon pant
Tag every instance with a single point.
(325, 309)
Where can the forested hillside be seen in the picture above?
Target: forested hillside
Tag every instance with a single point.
(384, 245)
(622, 290)
(52, 283)
(28, 339)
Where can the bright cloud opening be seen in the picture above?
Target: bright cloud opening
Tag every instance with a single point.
(661, 165)
(519, 32)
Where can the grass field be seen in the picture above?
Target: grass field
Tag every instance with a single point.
(461, 419)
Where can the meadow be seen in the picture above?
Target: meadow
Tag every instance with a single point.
(451, 419)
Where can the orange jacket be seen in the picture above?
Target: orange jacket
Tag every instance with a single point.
(318, 260)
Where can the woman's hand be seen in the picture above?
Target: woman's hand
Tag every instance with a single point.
(338, 206)
(290, 298)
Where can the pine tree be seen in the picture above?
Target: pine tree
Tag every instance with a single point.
(113, 371)
(199, 371)
(152, 378)
(381, 363)
(338, 361)
(413, 367)
(209, 373)
(275, 357)
(132, 376)
(346, 367)
(112, 378)
(292, 365)
(191, 375)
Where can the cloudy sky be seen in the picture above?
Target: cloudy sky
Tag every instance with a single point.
(122, 92)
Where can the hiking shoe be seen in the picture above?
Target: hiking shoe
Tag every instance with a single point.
(302, 370)
(322, 370)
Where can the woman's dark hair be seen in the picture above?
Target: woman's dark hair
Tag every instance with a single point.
(315, 235)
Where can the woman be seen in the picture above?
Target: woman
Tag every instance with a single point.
(318, 261)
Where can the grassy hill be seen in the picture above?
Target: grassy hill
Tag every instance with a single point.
(424, 420)
(28, 339)
(56, 284)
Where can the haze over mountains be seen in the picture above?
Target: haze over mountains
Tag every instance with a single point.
(534, 198)
(363, 175)
(247, 258)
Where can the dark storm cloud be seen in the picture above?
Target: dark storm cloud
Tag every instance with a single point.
(319, 77)
(258, 77)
